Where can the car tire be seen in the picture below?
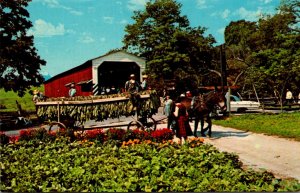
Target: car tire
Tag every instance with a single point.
(241, 110)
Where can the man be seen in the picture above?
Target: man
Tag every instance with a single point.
(72, 91)
(132, 86)
(188, 94)
(144, 84)
(289, 96)
(35, 96)
(113, 90)
(168, 111)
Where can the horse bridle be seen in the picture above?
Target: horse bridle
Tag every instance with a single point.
(222, 108)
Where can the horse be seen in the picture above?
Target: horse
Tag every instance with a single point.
(202, 106)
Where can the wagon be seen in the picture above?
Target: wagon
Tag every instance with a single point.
(73, 112)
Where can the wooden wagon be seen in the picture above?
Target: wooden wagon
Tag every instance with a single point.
(73, 112)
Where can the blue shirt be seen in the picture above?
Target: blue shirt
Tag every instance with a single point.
(72, 92)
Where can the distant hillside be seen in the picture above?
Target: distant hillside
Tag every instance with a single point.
(8, 100)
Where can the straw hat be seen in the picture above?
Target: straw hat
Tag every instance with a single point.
(132, 75)
(35, 91)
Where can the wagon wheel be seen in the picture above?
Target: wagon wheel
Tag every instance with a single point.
(78, 128)
(73, 125)
(135, 125)
(56, 125)
(150, 124)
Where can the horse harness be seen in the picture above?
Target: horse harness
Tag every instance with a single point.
(204, 103)
(199, 102)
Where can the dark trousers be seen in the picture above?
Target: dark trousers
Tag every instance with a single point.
(169, 122)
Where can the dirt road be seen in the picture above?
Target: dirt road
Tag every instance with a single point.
(277, 155)
(257, 151)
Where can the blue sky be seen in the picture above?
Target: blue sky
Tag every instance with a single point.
(69, 32)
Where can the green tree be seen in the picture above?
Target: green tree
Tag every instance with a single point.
(172, 48)
(19, 62)
(266, 53)
(239, 44)
(277, 53)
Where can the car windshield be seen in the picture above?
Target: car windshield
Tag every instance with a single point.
(235, 98)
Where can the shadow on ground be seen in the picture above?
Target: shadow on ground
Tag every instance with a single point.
(219, 134)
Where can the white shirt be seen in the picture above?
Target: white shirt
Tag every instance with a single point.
(289, 95)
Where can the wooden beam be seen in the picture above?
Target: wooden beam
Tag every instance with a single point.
(83, 102)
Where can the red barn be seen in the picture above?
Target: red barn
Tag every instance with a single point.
(91, 77)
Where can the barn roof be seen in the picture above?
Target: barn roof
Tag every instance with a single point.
(90, 63)
(82, 66)
(117, 51)
(119, 55)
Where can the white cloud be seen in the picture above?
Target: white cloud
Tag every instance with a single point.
(86, 38)
(91, 9)
(123, 21)
(74, 12)
(51, 3)
(108, 19)
(215, 14)
(201, 4)
(225, 13)
(102, 39)
(266, 1)
(43, 29)
(136, 4)
(56, 4)
(248, 15)
(44, 73)
(221, 30)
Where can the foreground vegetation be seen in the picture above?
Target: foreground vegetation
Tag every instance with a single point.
(283, 125)
(101, 162)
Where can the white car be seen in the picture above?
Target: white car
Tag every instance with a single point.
(238, 105)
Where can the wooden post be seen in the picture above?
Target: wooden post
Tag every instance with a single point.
(228, 101)
(58, 112)
(223, 66)
(255, 93)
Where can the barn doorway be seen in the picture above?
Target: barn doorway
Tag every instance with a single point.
(116, 74)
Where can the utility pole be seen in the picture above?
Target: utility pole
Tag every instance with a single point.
(223, 66)
(224, 76)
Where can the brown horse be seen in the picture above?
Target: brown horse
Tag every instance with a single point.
(202, 106)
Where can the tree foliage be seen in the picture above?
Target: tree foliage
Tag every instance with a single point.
(268, 51)
(277, 53)
(19, 62)
(172, 48)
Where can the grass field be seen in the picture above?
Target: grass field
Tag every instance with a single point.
(8, 100)
(284, 124)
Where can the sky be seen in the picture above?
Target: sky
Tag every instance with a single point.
(67, 33)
